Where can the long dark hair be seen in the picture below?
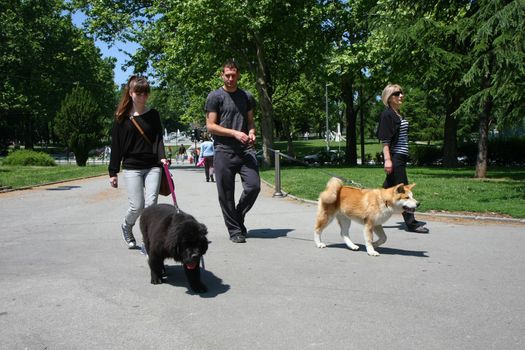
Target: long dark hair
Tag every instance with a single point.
(135, 84)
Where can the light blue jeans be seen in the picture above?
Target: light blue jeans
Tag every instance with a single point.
(143, 191)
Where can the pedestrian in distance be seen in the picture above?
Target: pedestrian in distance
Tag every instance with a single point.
(393, 133)
(181, 153)
(206, 153)
(137, 145)
(230, 119)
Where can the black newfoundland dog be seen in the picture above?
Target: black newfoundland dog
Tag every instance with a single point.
(171, 234)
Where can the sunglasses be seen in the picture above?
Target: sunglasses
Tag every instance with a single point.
(397, 93)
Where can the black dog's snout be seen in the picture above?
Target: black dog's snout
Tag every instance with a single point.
(195, 256)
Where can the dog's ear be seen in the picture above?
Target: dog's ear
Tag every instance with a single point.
(400, 188)
(203, 229)
(409, 187)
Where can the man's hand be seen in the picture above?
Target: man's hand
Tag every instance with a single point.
(242, 137)
(113, 181)
(251, 137)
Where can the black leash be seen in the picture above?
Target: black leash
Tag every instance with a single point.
(344, 179)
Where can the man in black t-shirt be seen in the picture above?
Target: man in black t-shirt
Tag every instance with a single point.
(229, 117)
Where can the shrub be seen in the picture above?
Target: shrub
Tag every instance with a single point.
(501, 151)
(29, 157)
(78, 123)
(424, 154)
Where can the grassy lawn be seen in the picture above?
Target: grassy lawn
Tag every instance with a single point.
(437, 188)
(22, 176)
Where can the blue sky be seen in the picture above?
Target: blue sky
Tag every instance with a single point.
(116, 51)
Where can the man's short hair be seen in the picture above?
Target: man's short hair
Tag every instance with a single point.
(230, 64)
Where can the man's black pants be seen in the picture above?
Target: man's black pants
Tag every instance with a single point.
(227, 166)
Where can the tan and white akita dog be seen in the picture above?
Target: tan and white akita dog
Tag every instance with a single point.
(370, 207)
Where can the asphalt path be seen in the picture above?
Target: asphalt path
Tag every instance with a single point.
(67, 280)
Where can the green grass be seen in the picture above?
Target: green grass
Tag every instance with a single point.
(455, 189)
(23, 176)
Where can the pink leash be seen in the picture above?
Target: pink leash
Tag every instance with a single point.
(172, 189)
(172, 186)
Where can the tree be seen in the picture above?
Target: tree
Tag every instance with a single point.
(495, 35)
(42, 56)
(273, 42)
(78, 123)
(348, 63)
(423, 51)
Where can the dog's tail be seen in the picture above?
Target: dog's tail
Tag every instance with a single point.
(331, 192)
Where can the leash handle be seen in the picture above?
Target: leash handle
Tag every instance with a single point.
(171, 184)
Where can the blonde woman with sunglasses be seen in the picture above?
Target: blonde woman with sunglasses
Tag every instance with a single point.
(393, 133)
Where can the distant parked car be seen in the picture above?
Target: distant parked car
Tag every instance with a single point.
(332, 157)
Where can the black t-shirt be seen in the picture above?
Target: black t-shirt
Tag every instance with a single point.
(131, 148)
(232, 111)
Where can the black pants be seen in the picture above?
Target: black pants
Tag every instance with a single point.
(227, 166)
(399, 176)
(208, 164)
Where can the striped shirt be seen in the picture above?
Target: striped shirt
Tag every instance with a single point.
(401, 146)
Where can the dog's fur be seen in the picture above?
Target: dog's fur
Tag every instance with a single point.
(171, 234)
(370, 207)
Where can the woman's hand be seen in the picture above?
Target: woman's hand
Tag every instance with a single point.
(165, 161)
(113, 181)
(388, 166)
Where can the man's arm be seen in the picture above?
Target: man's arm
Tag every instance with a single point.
(251, 127)
(213, 127)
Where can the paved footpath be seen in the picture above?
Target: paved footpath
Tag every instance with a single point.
(67, 281)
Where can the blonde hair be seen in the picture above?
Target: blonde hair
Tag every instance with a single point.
(388, 91)
(136, 84)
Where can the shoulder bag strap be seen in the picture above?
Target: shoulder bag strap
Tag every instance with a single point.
(132, 118)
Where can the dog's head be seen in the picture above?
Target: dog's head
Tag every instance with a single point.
(403, 198)
(191, 242)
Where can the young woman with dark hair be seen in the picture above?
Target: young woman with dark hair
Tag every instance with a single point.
(139, 152)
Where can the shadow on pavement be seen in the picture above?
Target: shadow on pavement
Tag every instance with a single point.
(268, 233)
(175, 277)
(385, 250)
(62, 188)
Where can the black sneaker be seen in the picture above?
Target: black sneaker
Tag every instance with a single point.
(238, 238)
(128, 236)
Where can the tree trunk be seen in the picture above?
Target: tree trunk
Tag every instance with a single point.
(351, 144)
(264, 90)
(289, 139)
(450, 144)
(484, 123)
(362, 127)
(28, 131)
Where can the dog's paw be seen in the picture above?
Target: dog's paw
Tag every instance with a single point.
(352, 246)
(372, 253)
(156, 280)
(198, 288)
(320, 245)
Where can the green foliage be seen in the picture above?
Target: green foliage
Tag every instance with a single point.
(42, 56)
(78, 123)
(505, 151)
(424, 154)
(29, 157)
